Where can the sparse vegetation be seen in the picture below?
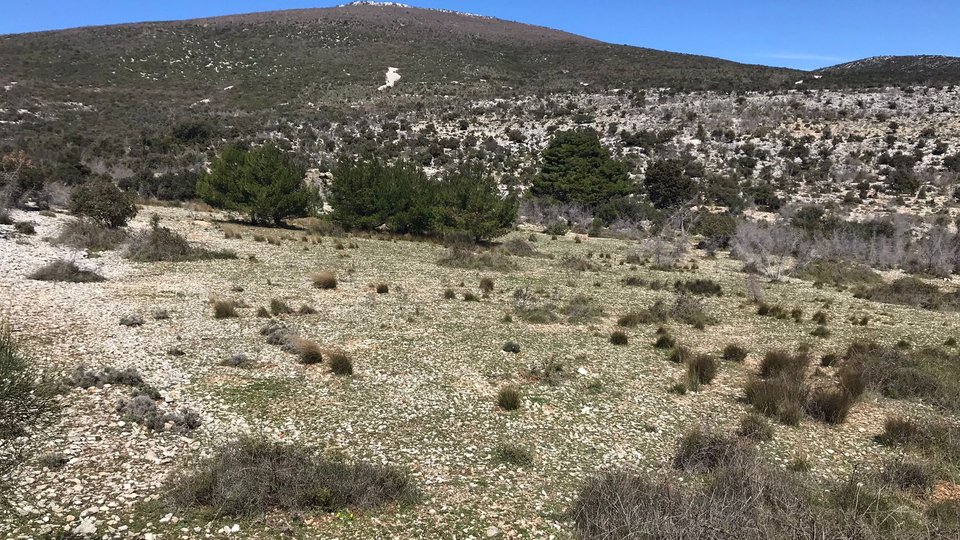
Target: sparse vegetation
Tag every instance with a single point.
(64, 270)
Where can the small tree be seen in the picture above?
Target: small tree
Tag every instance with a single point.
(104, 202)
(667, 184)
(470, 201)
(577, 168)
(263, 183)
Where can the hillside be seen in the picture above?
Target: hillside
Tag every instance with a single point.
(893, 70)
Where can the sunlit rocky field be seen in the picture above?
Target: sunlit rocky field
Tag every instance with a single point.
(436, 340)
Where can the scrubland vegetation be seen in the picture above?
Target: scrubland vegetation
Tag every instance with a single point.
(579, 313)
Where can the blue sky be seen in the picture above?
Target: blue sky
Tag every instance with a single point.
(804, 35)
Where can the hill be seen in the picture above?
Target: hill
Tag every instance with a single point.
(894, 70)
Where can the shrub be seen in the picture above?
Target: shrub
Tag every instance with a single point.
(908, 475)
(341, 364)
(143, 410)
(495, 260)
(703, 287)
(830, 405)
(486, 286)
(241, 361)
(581, 308)
(383, 288)
(263, 312)
(449, 294)
(618, 337)
(518, 247)
(911, 291)
(934, 438)
(821, 332)
(63, 270)
(279, 307)
(778, 362)
(508, 398)
(25, 227)
(753, 426)
(513, 454)
(689, 310)
(22, 400)
(664, 341)
(820, 318)
(680, 354)
(667, 184)
(224, 309)
(511, 347)
(782, 397)
(162, 244)
(704, 451)
(734, 352)
(324, 280)
(929, 374)
(470, 296)
(306, 309)
(263, 183)
(702, 368)
(309, 351)
(103, 202)
(254, 477)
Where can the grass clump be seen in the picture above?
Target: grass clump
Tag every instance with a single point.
(90, 235)
(838, 273)
(581, 308)
(702, 287)
(830, 405)
(254, 477)
(618, 337)
(756, 427)
(225, 309)
(704, 451)
(309, 351)
(513, 454)
(508, 398)
(279, 307)
(382, 288)
(779, 361)
(702, 369)
(664, 341)
(680, 354)
(734, 352)
(511, 347)
(341, 364)
(324, 280)
(67, 271)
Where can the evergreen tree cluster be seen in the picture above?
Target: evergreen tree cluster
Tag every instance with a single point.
(371, 194)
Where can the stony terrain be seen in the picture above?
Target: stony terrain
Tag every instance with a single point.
(427, 370)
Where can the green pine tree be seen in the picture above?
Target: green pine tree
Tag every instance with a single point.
(577, 168)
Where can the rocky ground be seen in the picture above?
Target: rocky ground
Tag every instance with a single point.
(427, 370)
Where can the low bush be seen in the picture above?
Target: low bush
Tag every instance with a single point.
(830, 405)
(734, 352)
(782, 397)
(581, 308)
(936, 439)
(908, 475)
(495, 260)
(513, 454)
(324, 280)
(704, 451)
(511, 347)
(341, 364)
(382, 288)
(911, 291)
(159, 244)
(508, 398)
(144, 410)
(618, 337)
(518, 247)
(279, 307)
(690, 310)
(225, 309)
(253, 477)
(756, 427)
(664, 341)
(703, 287)
(778, 362)
(931, 375)
(22, 397)
(702, 369)
(838, 273)
(680, 354)
(64, 270)
(90, 235)
(309, 351)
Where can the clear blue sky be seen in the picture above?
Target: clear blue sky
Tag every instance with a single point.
(804, 35)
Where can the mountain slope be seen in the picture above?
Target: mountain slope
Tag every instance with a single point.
(315, 53)
(895, 70)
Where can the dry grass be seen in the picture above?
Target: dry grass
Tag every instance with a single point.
(68, 271)
(324, 280)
